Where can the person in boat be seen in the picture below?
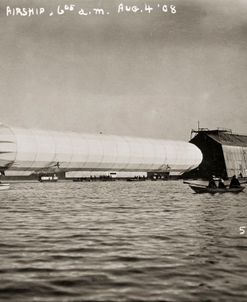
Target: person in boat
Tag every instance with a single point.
(212, 183)
(1, 173)
(234, 182)
(221, 184)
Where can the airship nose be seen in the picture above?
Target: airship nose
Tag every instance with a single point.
(7, 147)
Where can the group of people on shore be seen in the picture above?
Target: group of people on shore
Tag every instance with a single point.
(233, 184)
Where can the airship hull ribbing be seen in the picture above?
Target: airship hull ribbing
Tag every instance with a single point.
(34, 150)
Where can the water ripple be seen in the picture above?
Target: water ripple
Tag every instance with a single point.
(120, 241)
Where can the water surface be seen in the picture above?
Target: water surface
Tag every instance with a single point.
(121, 241)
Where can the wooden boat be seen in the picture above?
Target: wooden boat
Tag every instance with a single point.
(204, 189)
(136, 179)
(48, 178)
(4, 186)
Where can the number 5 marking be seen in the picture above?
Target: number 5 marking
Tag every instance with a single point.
(242, 230)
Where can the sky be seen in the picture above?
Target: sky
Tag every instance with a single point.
(138, 74)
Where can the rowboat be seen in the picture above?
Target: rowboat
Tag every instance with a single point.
(4, 186)
(204, 189)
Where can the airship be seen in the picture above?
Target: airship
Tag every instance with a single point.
(34, 150)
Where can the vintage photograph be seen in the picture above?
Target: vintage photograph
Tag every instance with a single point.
(123, 150)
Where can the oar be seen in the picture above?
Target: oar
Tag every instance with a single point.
(243, 182)
(194, 184)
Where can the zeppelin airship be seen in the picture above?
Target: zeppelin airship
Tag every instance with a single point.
(39, 150)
